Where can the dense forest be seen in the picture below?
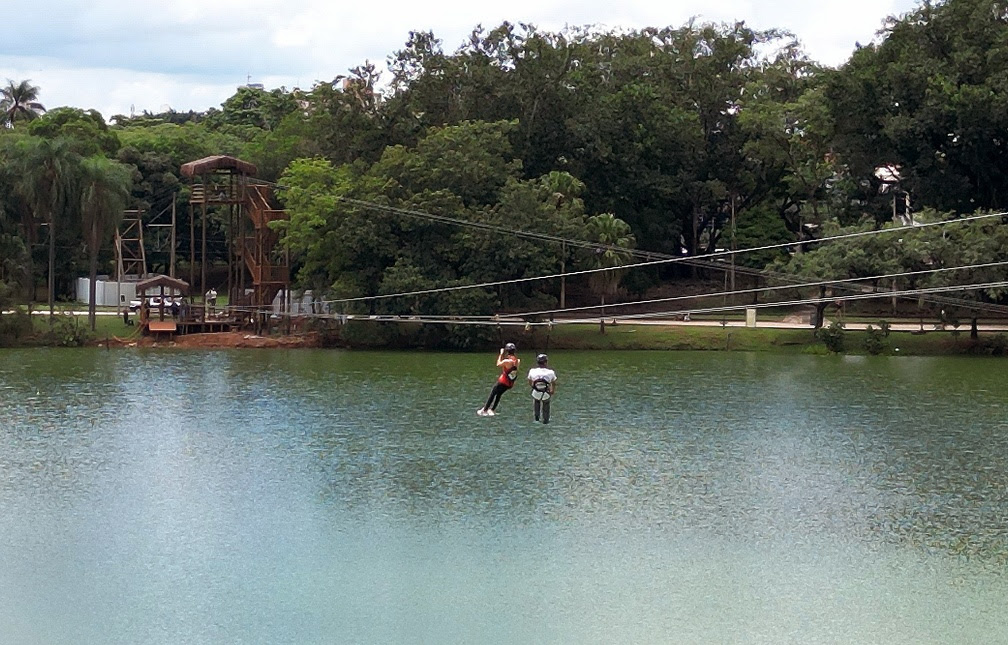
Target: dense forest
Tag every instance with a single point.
(672, 141)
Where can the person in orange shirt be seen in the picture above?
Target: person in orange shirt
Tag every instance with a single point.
(508, 364)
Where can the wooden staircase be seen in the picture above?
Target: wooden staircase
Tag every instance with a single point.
(267, 264)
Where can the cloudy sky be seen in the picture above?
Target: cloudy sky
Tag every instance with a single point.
(117, 56)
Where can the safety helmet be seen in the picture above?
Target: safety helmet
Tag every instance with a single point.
(510, 348)
(541, 359)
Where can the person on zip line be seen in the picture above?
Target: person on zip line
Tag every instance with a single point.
(543, 382)
(508, 363)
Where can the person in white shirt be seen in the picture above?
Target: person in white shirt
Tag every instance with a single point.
(543, 382)
(211, 300)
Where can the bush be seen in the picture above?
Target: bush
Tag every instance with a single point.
(14, 326)
(875, 342)
(994, 346)
(832, 337)
(67, 331)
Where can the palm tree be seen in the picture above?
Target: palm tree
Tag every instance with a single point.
(105, 189)
(48, 171)
(13, 251)
(613, 235)
(19, 101)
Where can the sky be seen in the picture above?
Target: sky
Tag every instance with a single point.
(123, 57)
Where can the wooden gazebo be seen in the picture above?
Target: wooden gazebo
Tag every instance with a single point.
(161, 287)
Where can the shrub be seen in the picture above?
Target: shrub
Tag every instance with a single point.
(832, 337)
(67, 331)
(993, 346)
(874, 341)
(14, 326)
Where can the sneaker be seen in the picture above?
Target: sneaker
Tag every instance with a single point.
(480, 412)
(491, 413)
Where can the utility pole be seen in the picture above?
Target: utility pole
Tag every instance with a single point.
(203, 288)
(192, 246)
(733, 242)
(563, 278)
(171, 270)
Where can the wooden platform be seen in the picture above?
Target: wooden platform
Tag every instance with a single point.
(206, 326)
(162, 326)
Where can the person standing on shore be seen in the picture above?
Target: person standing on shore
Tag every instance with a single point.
(543, 382)
(508, 364)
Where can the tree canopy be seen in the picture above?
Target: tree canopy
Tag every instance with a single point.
(683, 135)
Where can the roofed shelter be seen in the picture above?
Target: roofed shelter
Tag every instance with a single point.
(218, 164)
(166, 286)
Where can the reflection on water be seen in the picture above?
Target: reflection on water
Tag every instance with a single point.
(300, 497)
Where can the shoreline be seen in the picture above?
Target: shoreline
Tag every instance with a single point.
(782, 338)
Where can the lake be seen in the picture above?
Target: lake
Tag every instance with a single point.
(157, 496)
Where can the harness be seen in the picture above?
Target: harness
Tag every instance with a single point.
(509, 374)
(540, 389)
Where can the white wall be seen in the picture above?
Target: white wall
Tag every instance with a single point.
(300, 303)
(107, 294)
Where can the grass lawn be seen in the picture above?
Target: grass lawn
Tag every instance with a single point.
(105, 326)
(803, 341)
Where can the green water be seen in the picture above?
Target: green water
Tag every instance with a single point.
(323, 497)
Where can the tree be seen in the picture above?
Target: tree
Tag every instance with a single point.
(359, 230)
(105, 189)
(254, 106)
(48, 172)
(19, 102)
(613, 236)
(15, 259)
(789, 132)
(931, 98)
(86, 129)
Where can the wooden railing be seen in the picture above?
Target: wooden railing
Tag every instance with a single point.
(216, 194)
(267, 277)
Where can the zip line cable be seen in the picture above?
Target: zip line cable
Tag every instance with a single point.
(663, 258)
(845, 281)
(739, 292)
(669, 260)
(504, 322)
(784, 277)
(484, 226)
(807, 301)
